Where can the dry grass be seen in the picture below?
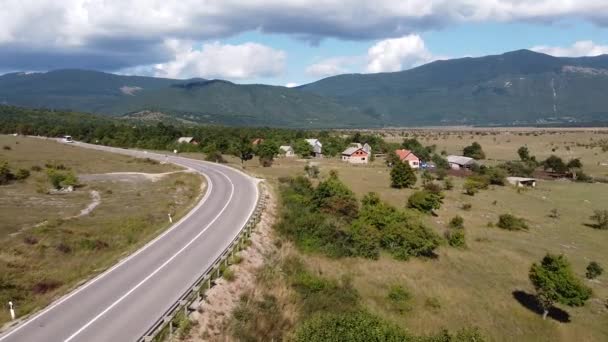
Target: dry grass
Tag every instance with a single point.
(42, 254)
(474, 287)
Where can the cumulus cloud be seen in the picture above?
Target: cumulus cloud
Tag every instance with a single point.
(114, 34)
(578, 49)
(225, 61)
(398, 54)
(333, 66)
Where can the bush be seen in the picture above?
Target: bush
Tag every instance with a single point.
(6, 175)
(402, 176)
(466, 206)
(456, 238)
(495, 175)
(399, 298)
(594, 270)
(475, 183)
(229, 274)
(448, 184)
(22, 174)
(61, 179)
(36, 168)
(510, 222)
(425, 201)
(457, 222)
(6, 147)
(474, 151)
(356, 326)
(312, 170)
(600, 218)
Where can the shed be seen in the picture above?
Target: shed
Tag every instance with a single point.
(521, 182)
(287, 151)
(317, 147)
(187, 140)
(460, 162)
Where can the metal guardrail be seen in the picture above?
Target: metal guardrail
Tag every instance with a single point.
(165, 324)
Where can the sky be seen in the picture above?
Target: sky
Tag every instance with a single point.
(286, 42)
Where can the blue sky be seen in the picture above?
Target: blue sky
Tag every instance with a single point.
(462, 40)
(286, 41)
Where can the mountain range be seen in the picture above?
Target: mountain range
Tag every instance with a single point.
(519, 87)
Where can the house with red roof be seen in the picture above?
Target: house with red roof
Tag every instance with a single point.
(409, 157)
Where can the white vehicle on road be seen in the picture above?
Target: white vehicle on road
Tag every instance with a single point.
(68, 139)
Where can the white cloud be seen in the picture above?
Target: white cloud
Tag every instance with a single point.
(291, 85)
(115, 34)
(578, 49)
(398, 54)
(225, 61)
(333, 66)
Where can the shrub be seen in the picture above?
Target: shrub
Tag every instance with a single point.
(402, 176)
(333, 197)
(474, 151)
(22, 174)
(467, 206)
(5, 173)
(356, 326)
(432, 303)
(594, 270)
(456, 238)
(432, 187)
(448, 184)
(36, 168)
(312, 171)
(59, 179)
(457, 222)
(495, 175)
(6, 147)
(399, 298)
(600, 218)
(229, 274)
(555, 164)
(510, 222)
(425, 201)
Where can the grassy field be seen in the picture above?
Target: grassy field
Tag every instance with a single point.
(46, 249)
(485, 285)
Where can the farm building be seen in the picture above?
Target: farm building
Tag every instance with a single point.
(460, 162)
(411, 158)
(521, 182)
(187, 140)
(356, 154)
(287, 151)
(317, 147)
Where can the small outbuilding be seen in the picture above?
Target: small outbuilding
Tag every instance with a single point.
(409, 157)
(317, 147)
(521, 182)
(187, 140)
(287, 151)
(460, 162)
(355, 155)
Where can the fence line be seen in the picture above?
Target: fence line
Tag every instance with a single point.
(165, 324)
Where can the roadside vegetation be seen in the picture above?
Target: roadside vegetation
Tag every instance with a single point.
(47, 244)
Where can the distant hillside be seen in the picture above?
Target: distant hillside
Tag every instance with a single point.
(196, 100)
(515, 87)
(520, 87)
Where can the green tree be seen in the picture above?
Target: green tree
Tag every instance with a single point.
(402, 176)
(474, 151)
(555, 282)
(425, 201)
(244, 150)
(594, 270)
(524, 153)
(267, 150)
(510, 222)
(302, 148)
(555, 164)
(332, 196)
(457, 222)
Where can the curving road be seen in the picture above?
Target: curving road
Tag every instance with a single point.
(123, 302)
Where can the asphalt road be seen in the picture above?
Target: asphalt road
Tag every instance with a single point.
(123, 302)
